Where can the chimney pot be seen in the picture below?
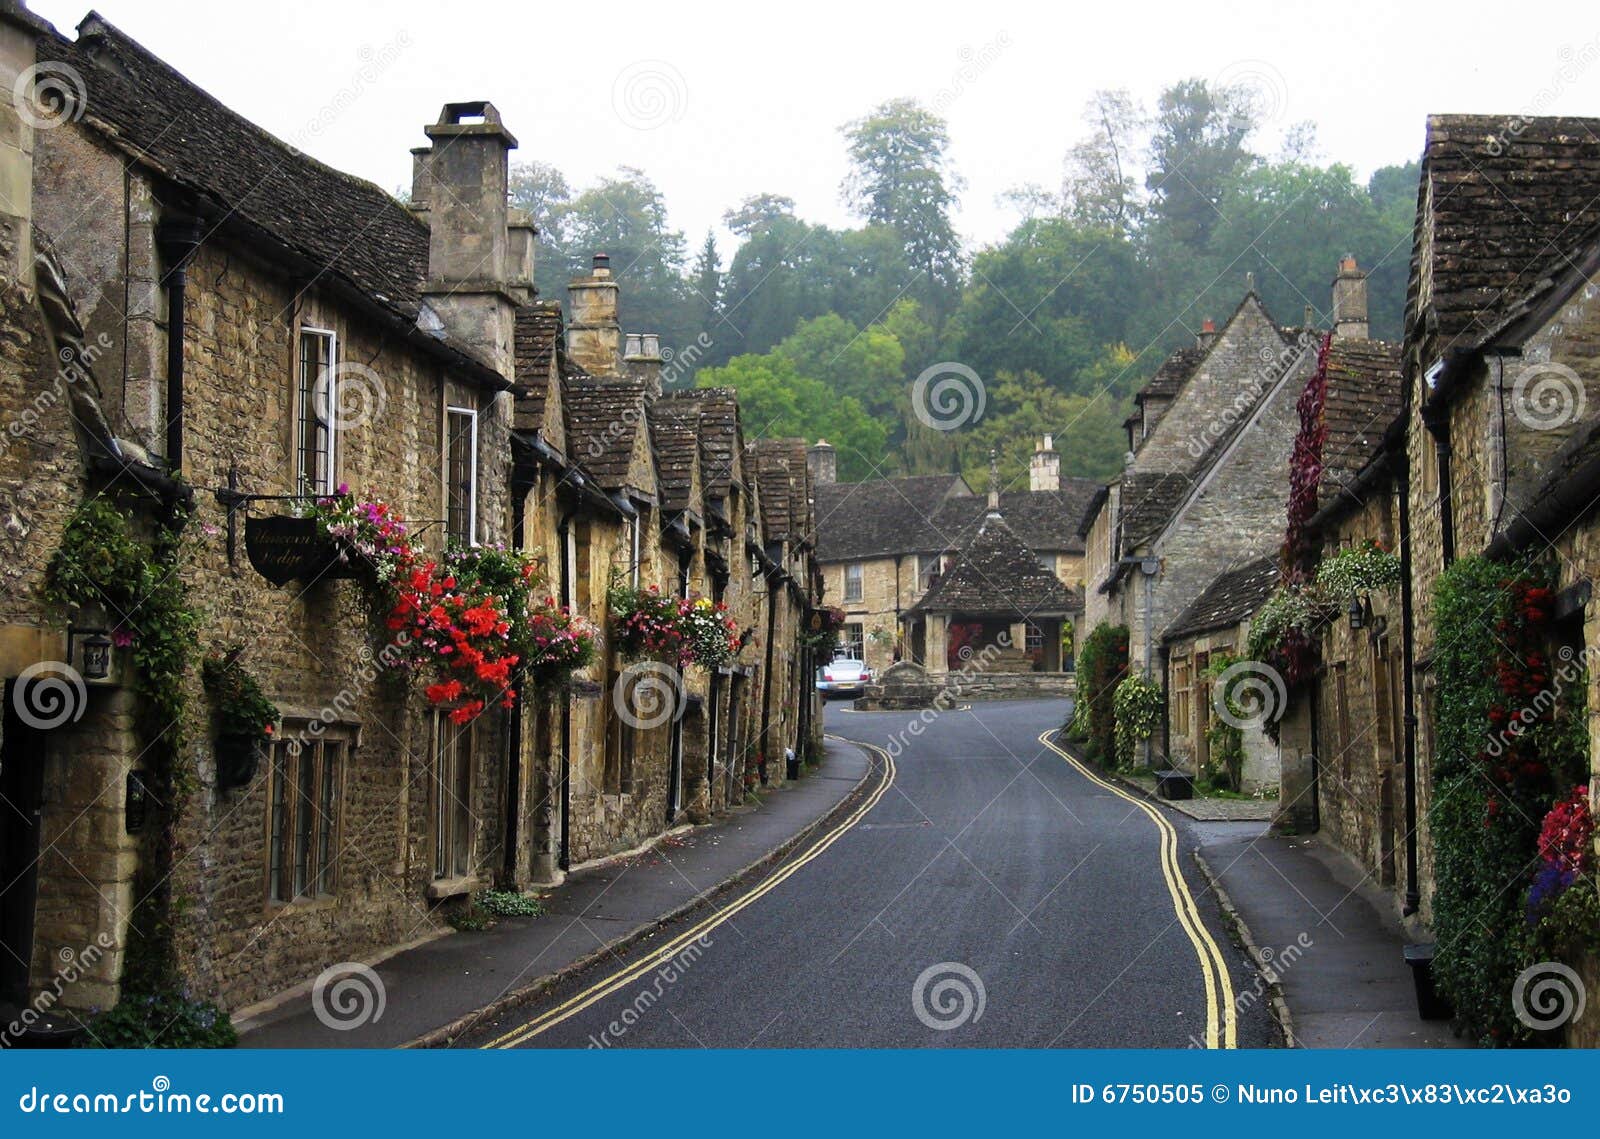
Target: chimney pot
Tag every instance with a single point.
(602, 264)
(823, 462)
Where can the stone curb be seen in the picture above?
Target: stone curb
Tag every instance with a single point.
(447, 1033)
(1274, 988)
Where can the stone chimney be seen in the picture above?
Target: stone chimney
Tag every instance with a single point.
(994, 482)
(641, 360)
(19, 33)
(1350, 301)
(823, 462)
(1044, 469)
(593, 334)
(1207, 334)
(521, 238)
(469, 287)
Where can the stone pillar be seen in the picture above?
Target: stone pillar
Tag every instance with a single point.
(1044, 469)
(1297, 764)
(938, 643)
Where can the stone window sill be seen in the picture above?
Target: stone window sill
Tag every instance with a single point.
(452, 887)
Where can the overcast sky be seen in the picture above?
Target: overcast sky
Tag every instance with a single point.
(719, 101)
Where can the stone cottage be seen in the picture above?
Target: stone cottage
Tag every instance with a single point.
(884, 543)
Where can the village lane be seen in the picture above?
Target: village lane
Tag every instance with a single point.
(988, 893)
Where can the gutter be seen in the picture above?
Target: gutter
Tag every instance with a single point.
(1558, 503)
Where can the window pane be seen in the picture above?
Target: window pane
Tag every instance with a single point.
(278, 818)
(327, 812)
(316, 401)
(441, 799)
(304, 815)
(459, 476)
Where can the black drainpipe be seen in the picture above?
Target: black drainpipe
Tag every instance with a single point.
(178, 239)
(563, 854)
(1409, 693)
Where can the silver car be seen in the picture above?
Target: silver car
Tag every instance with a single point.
(843, 676)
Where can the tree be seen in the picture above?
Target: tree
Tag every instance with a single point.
(865, 364)
(1022, 407)
(901, 178)
(541, 191)
(757, 212)
(776, 401)
(707, 285)
(1196, 150)
(1100, 188)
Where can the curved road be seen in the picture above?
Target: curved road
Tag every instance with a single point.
(986, 893)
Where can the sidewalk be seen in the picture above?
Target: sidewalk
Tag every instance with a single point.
(1334, 937)
(449, 978)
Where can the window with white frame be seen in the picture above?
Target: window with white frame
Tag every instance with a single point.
(852, 582)
(316, 424)
(929, 566)
(305, 791)
(461, 475)
(1033, 637)
(853, 640)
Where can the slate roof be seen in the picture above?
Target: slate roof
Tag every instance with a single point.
(1173, 373)
(996, 574)
(1511, 197)
(349, 231)
(802, 518)
(929, 514)
(1147, 502)
(1235, 595)
(720, 433)
(774, 487)
(674, 434)
(1364, 395)
(602, 420)
(537, 334)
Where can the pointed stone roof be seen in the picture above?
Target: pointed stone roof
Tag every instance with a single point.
(674, 433)
(996, 575)
(1233, 596)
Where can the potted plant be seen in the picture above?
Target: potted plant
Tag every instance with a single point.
(246, 719)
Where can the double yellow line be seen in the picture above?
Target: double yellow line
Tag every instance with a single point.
(627, 975)
(1222, 1029)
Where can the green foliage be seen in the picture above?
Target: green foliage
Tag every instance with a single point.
(243, 710)
(103, 562)
(1224, 769)
(166, 1019)
(510, 904)
(1491, 785)
(1137, 709)
(776, 400)
(1102, 663)
(1291, 610)
(1367, 568)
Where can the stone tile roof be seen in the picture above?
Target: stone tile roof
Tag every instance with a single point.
(347, 229)
(929, 514)
(603, 418)
(1235, 595)
(721, 435)
(1364, 395)
(881, 517)
(774, 487)
(1173, 373)
(538, 332)
(674, 433)
(996, 574)
(802, 517)
(1511, 198)
(1148, 501)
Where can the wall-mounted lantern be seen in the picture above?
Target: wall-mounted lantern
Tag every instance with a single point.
(89, 651)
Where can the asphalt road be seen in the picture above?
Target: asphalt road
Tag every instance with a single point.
(989, 894)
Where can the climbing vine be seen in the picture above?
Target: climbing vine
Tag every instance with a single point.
(1509, 732)
(1137, 708)
(103, 562)
(1102, 663)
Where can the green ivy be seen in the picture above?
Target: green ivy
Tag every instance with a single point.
(102, 561)
(1225, 764)
(1102, 663)
(1491, 787)
(1136, 706)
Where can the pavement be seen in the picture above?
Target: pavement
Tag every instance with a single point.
(1334, 937)
(992, 895)
(449, 979)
